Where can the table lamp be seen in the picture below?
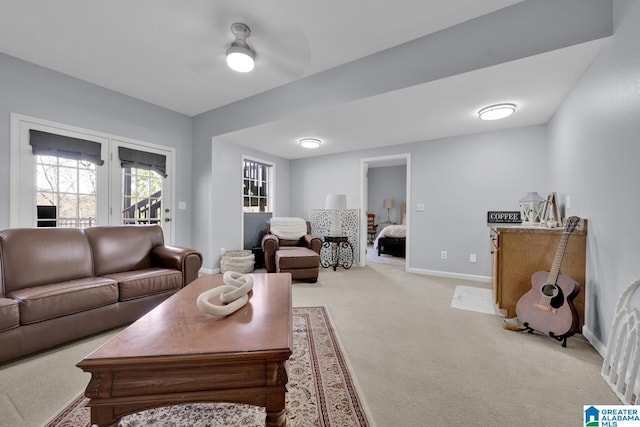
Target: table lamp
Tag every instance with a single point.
(388, 203)
(336, 203)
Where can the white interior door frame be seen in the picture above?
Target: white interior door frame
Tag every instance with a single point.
(365, 165)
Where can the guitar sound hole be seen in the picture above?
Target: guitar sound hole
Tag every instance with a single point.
(555, 294)
(550, 290)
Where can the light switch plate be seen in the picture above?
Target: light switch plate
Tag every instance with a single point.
(420, 207)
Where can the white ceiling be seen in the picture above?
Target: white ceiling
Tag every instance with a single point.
(171, 53)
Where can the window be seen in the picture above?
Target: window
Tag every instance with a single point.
(141, 196)
(257, 186)
(66, 192)
(66, 178)
(142, 181)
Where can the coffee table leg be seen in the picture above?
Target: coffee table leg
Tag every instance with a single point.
(102, 416)
(276, 413)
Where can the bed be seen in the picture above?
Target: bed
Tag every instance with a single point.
(392, 240)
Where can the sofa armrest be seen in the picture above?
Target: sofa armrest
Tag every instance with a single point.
(313, 242)
(270, 245)
(188, 261)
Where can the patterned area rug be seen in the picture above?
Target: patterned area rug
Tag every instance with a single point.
(321, 391)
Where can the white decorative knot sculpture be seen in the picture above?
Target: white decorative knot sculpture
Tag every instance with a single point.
(234, 294)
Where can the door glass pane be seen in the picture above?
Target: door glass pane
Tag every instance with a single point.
(257, 191)
(66, 193)
(141, 196)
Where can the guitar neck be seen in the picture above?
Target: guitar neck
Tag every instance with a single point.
(557, 260)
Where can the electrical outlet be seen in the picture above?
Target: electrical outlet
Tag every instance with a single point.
(443, 254)
(473, 258)
(420, 207)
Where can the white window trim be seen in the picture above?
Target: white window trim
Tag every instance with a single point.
(118, 141)
(272, 178)
(22, 209)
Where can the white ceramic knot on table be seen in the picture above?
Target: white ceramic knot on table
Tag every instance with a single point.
(234, 294)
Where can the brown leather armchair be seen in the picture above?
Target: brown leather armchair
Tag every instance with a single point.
(299, 257)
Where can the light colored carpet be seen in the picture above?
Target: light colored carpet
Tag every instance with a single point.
(472, 298)
(321, 391)
(418, 361)
(374, 258)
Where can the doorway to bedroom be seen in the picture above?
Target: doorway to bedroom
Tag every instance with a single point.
(385, 197)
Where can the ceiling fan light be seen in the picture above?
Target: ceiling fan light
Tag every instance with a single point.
(310, 142)
(240, 56)
(497, 111)
(240, 59)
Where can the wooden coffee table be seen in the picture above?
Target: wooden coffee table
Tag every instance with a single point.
(177, 354)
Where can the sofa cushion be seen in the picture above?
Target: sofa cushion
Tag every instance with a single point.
(117, 249)
(9, 314)
(291, 258)
(148, 281)
(40, 256)
(50, 301)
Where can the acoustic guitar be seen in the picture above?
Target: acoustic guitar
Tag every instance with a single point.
(548, 306)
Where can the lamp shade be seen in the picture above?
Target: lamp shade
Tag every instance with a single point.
(336, 202)
(388, 203)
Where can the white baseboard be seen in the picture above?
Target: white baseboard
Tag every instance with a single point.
(208, 271)
(449, 274)
(595, 342)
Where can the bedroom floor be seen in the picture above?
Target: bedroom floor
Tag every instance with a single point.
(372, 257)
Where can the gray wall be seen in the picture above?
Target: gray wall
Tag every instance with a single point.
(386, 183)
(313, 178)
(590, 152)
(595, 149)
(458, 179)
(566, 23)
(217, 169)
(45, 94)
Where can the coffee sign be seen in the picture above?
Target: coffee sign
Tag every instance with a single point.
(504, 217)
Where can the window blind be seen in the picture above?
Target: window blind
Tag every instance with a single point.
(143, 160)
(50, 144)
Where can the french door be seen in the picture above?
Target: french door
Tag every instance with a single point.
(52, 190)
(141, 182)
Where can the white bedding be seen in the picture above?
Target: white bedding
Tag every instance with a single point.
(398, 231)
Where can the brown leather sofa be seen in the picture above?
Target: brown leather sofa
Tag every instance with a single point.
(60, 284)
(300, 257)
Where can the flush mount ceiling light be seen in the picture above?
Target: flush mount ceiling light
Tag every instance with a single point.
(497, 111)
(310, 142)
(240, 56)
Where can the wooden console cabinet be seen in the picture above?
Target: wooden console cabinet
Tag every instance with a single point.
(520, 251)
